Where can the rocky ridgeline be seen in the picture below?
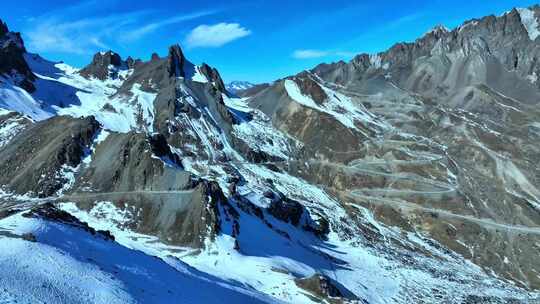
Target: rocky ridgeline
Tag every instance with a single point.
(11, 58)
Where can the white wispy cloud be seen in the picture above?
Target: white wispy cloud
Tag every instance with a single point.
(307, 54)
(312, 53)
(59, 31)
(82, 36)
(153, 26)
(346, 53)
(215, 35)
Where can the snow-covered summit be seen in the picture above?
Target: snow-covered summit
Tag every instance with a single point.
(235, 86)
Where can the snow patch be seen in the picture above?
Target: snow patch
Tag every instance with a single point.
(61, 90)
(9, 128)
(530, 22)
(16, 99)
(339, 106)
(468, 24)
(238, 86)
(376, 61)
(198, 76)
(258, 132)
(121, 113)
(100, 137)
(533, 78)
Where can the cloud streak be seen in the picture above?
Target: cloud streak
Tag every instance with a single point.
(82, 36)
(312, 53)
(151, 27)
(215, 35)
(308, 54)
(60, 32)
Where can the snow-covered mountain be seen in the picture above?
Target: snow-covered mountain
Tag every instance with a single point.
(239, 85)
(236, 86)
(406, 176)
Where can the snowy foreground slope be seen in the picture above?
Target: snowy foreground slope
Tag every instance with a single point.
(149, 182)
(48, 257)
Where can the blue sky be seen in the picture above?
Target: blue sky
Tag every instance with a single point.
(253, 40)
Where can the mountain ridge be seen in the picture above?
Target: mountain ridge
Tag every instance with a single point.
(406, 176)
(416, 91)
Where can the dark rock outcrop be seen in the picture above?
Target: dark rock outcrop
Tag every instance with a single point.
(322, 286)
(12, 62)
(176, 62)
(284, 208)
(34, 160)
(130, 62)
(104, 65)
(126, 162)
(161, 149)
(3, 29)
(290, 211)
(159, 145)
(185, 220)
(181, 218)
(158, 73)
(311, 88)
(213, 76)
(319, 227)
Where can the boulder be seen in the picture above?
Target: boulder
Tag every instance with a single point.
(322, 286)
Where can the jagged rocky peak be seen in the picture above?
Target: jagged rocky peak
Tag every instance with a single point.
(12, 62)
(132, 63)
(3, 28)
(10, 38)
(518, 23)
(154, 57)
(508, 41)
(213, 76)
(158, 72)
(111, 57)
(179, 66)
(439, 28)
(176, 61)
(438, 31)
(104, 65)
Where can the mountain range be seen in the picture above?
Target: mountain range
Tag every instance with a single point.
(407, 176)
